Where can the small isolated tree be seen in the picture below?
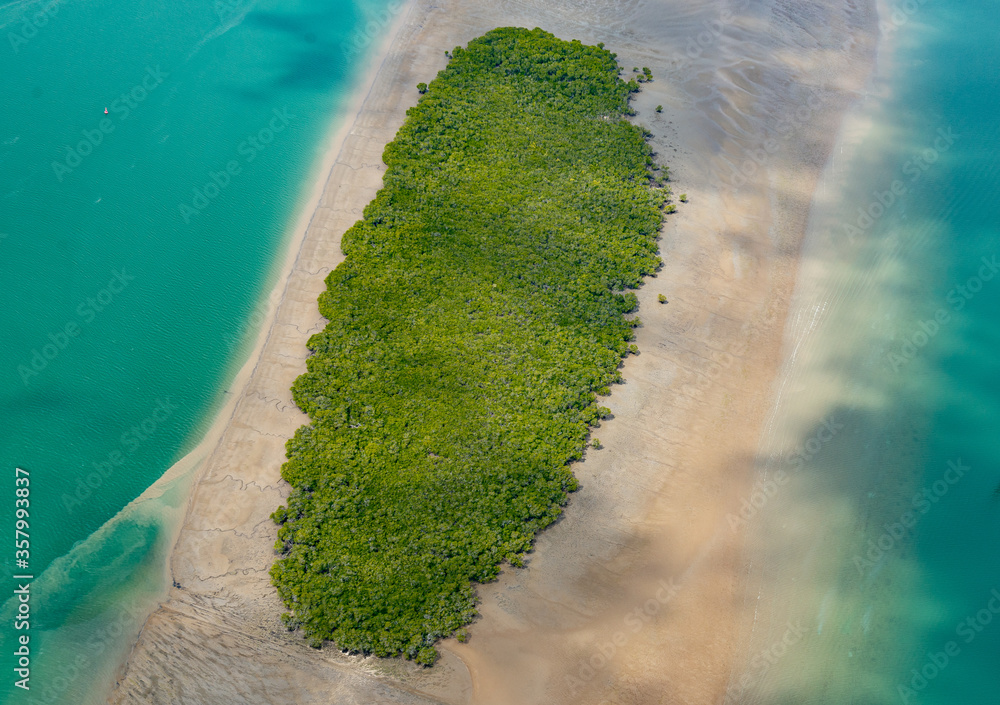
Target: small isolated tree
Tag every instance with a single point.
(648, 74)
(684, 198)
(422, 88)
(596, 444)
(671, 208)
(662, 299)
(659, 108)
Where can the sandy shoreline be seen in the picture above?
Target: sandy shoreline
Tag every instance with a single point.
(635, 596)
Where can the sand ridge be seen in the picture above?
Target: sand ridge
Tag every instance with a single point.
(635, 596)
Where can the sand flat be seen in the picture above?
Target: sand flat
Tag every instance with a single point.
(636, 595)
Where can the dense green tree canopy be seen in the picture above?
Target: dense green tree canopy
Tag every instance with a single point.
(478, 313)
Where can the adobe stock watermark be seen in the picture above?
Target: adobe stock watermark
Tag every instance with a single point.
(760, 155)
(121, 107)
(698, 43)
(364, 36)
(248, 149)
(920, 504)
(633, 623)
(899, 15)
(128, 443)
(86, 311)
(761, 663)
(31, 24)
(967, 631)
(914, 168)
(763, 491)
(957, 298)
(257, 318)
(99, 641)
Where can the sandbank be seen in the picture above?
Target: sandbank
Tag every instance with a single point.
(637, 594)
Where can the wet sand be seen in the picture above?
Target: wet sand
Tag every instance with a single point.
(637, 594)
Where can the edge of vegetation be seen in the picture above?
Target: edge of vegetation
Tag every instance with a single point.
(480, 312)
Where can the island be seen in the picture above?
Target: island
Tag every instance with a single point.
(481, 311)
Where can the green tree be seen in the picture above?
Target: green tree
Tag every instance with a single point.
(480, 310)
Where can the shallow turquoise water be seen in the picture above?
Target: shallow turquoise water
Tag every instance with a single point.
(122, 315)
(956, 544)
(904, 357)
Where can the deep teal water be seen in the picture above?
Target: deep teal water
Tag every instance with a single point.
(956, 545)
(121, 316)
